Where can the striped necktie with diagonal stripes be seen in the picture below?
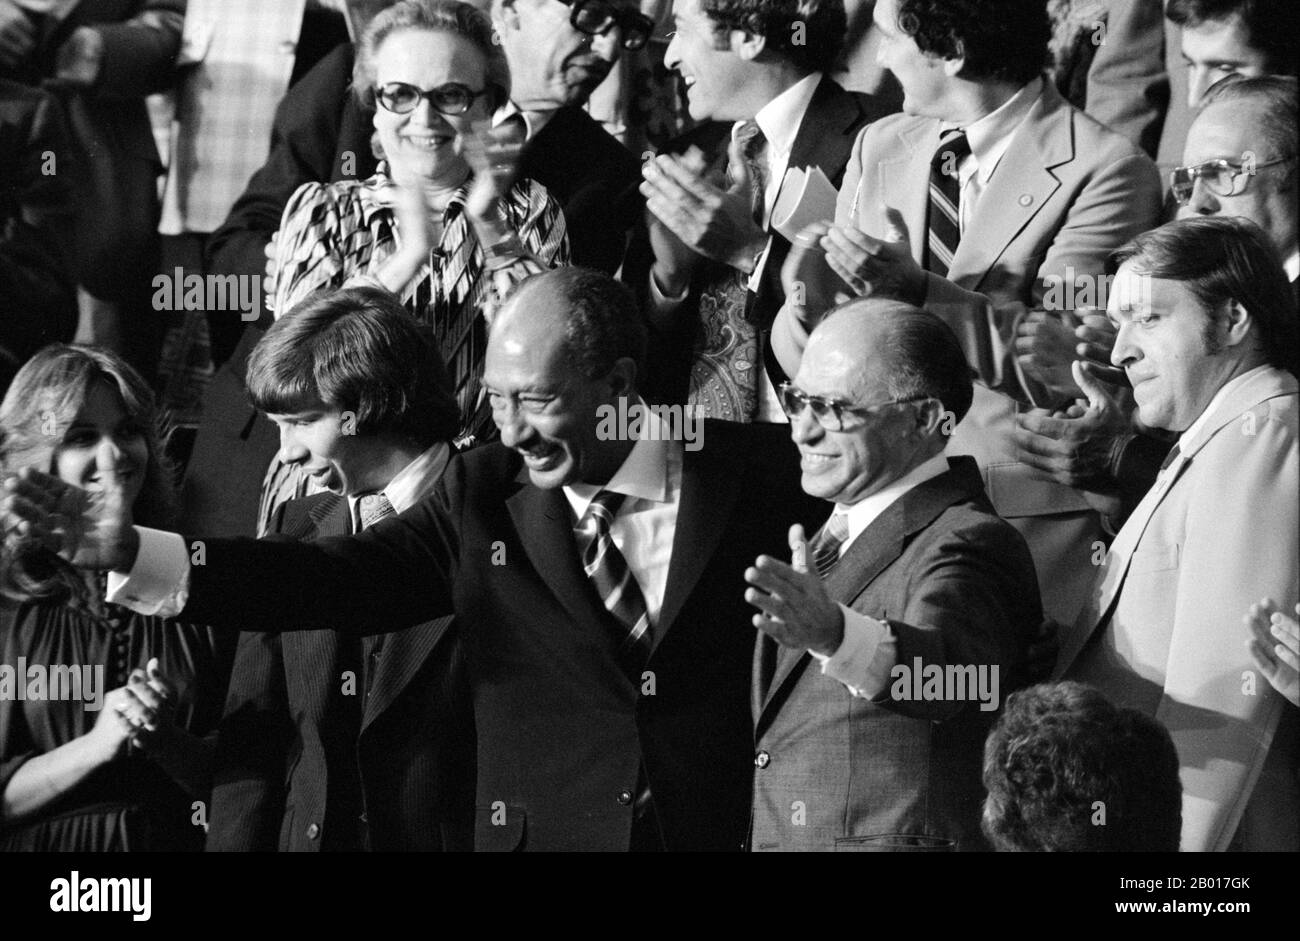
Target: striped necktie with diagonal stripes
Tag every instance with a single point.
(825, 547)
(944, 221)
(608, 571)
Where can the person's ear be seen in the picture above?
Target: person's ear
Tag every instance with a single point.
(929, 417)
(953, 67)
(1239, 323)
(622, 378)
(747, 45)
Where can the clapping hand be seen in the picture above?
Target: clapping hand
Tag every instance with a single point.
(493, 154)
(1074, 447)
(875, 267)
(1275, 645)
(795, 609)
(91, 530)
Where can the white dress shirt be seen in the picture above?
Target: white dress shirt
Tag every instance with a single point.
(779, 120)
(989, 138)
(159, 581)
(869, 648)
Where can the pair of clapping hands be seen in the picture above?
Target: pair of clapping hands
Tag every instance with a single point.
(137, 715)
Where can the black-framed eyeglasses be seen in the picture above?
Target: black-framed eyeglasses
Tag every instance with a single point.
(1221, 177)
(830, 413)
(598, 17)
(402, 98)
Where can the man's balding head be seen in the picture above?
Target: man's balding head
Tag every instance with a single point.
(902, 382)
(565, 343)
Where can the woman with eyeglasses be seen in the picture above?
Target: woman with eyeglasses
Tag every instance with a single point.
(442, 224)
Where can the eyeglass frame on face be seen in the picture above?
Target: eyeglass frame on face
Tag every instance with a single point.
(624, 19)
(1182, 191)
(429, 93)
(833, 408)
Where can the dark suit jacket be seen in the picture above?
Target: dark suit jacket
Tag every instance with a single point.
(279, 748)
(825, 139)
(957, 587)
(562, 729)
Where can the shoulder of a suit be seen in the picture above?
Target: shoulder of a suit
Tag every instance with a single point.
(1257, 411)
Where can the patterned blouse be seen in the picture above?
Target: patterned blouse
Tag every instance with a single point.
(340, 234)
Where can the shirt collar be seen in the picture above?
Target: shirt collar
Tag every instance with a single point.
(780, 118)
(1224, 391)
(412, 483)
(867, 510)
(534, 121)
(990, 136)
(1292, 266)
(651, 470)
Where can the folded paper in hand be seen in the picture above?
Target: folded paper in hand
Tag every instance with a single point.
(805, 197)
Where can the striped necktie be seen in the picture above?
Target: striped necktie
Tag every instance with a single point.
(944, 222)
(374, 507)
(609, 573)
(825, 547)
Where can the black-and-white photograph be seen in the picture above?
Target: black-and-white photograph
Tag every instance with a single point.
(649, 426)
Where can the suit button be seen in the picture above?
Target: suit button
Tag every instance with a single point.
(762, 760)
(625, 797)
(313, 831)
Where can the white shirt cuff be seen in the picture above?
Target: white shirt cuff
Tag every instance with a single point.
(865, 656)
(159, 581)
(661, 302)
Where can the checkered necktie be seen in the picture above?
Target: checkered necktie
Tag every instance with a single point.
(608, 571)
(374, 507)
(945, 202)
(825, 547)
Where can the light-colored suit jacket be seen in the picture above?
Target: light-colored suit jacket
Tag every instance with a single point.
(1066, 193)
(837, 772)
(1219, 530)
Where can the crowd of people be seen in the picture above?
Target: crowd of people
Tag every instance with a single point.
(985, 534)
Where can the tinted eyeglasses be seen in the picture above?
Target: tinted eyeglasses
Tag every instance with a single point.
(1222, 177)
(831, 413)
(452, 98)
(598, 17)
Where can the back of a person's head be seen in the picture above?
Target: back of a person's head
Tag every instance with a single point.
(1271, 26)
(356, 350)
(1000, 40)
(1067, 771)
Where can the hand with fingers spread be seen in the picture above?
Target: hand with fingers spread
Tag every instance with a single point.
(1275, 645)
(711, 221)
(1076, 447)
(90, 530)
(795, 609)
(875, 267)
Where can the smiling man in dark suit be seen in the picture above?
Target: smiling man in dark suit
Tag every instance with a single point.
(756, 70)
(883, 657)
(329, 741)
(596, 578)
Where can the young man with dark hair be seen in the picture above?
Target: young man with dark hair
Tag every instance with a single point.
(380, 726)
(1206, 335)
(1067, 772)
(1235, 37)
(709, 269)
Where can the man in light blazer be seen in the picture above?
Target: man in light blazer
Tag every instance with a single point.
(328, 742)
(1035, 195)
(1207, 336)
(883, 659)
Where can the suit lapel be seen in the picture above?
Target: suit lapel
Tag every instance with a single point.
(404, 653)
(826, 133)
(1021, 185)
(542, 522)
(875, 549)
(709, 493)
(1256, 391)
(904, 180)
(312, 652)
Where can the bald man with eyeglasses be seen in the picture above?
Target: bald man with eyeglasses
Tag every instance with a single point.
(885, 649)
